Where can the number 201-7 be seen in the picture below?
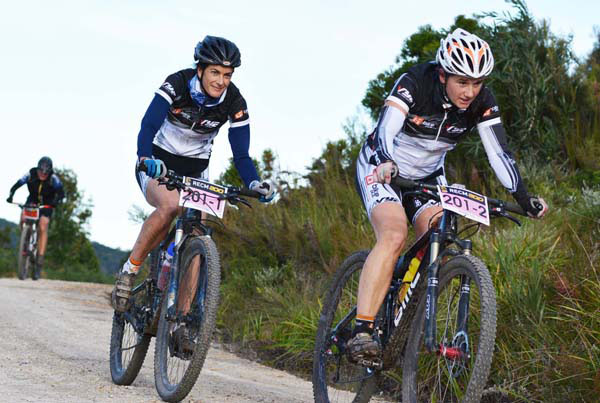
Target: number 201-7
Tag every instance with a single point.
(458, 202)
(195, 196)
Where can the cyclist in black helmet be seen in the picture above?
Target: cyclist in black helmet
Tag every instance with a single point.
(177, 133)
(45, 188)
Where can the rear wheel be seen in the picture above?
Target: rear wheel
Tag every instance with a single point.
(128, 348)
(24, 258)
(459, 368)
(129, 338)
(335, 378)
(182, 342)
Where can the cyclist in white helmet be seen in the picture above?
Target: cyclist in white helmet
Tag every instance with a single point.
(431, 108)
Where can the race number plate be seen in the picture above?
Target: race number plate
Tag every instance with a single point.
(204, 196)
(31, 213)
(466, 203)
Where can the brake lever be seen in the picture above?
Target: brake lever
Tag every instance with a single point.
(234, 199)
(243, 201)
(503, 213)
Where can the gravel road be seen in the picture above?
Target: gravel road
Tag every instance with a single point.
(54, 342)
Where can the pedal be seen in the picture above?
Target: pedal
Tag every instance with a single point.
(375, 363)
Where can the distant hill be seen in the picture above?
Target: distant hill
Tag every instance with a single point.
(110, 258)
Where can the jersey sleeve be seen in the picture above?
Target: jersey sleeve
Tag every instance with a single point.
(494, 139)
(238, 115)
(153, 119)
(173, 87)
(391, 119)
(59, 191)
(19, 183)
(404, 92)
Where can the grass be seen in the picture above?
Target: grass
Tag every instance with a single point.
(278, 260)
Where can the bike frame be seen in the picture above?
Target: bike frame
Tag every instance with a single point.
(436, 242)
(29, 221)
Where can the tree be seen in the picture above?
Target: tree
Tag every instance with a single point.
(231, 176)
(8, 256)
(70, 254)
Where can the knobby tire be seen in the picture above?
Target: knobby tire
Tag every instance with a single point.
(425, 375)
(208, 283)
(123, 371)
(24, 258)
(325, 389)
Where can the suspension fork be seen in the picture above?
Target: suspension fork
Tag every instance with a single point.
(432, 293)
(33, 238)
(463, 304)
(435, 241)
(173, 283)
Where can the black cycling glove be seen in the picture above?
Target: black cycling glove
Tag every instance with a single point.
(534, 206)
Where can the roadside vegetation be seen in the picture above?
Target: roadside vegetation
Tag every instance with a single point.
(278, 259)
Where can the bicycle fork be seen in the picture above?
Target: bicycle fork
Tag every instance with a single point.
(460, 341)
(173, 283)
(432, 293)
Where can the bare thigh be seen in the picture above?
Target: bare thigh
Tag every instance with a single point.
(428, 218)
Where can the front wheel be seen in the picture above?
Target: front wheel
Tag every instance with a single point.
(182, 342)
(335, 378)
(24, 258)
(466, 330)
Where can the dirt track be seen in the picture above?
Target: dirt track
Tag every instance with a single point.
(54, 342)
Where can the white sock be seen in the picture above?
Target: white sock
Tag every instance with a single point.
(130, 268)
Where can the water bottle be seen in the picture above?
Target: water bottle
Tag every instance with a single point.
(163, 277)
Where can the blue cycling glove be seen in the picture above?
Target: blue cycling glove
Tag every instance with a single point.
(266, 188)
(154, 168)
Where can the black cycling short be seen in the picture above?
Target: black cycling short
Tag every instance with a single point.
(45, 212)
(414, 204)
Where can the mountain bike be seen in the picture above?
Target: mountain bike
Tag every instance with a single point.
(28, 239)
(182, 316)
(437, 321)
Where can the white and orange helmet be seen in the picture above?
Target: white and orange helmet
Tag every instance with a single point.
(465, 54)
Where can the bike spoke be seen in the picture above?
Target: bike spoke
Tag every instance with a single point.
(447, 374)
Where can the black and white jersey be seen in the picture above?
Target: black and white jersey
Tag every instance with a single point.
(194, 119)
(433, 126)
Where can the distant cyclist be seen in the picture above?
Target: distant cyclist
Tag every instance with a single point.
(177, 133)
(431, 108)
(45, 188)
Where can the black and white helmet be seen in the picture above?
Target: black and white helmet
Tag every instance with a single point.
(219, 51)
(465, 54)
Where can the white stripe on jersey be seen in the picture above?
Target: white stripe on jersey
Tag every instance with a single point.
(399, 102)
(239, 124)
(164, 95)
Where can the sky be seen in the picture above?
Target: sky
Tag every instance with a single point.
(78, 76)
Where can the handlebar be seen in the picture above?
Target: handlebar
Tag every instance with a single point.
(174, 181)
(497, 206)
(32, 205)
